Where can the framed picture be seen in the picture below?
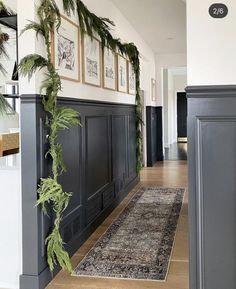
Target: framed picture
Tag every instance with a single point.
(66, 50)
(91, 49)
(109, 69)
(153, 84)
(122, 74)
(132, 80)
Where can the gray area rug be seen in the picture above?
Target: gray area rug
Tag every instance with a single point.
(138, 244)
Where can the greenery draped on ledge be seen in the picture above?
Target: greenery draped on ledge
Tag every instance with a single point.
(60, 118)
(4, 37)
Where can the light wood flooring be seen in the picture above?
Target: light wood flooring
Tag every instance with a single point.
(166, 174)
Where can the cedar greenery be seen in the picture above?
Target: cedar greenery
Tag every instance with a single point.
(60, 118)
(4, 105)
(93, 25)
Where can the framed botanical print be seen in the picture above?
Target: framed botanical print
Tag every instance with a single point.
(122, 74)
(153, 84)
(132, 80)
(66, 50)
(91, 49)
(109, 69)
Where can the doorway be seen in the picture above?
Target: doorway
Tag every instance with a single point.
(182, 117)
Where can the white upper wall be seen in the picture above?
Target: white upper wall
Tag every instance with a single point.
(211, 44)
(123, 29)
(167, 61)
(162, 23)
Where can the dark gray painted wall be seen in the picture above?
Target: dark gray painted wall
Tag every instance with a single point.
(154, 135)
(101, 162)
(212, 186)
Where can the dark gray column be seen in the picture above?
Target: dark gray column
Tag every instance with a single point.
(212, 186)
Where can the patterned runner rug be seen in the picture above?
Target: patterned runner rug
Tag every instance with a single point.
(138, 244)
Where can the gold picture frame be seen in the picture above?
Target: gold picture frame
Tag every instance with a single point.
(109, 68)
(122, 74)
(92, 69)
(66, 50)
(131, 80)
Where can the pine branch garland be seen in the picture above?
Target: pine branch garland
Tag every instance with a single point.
(61, 118)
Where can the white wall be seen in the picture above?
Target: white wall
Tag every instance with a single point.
(166, 61)
(10, 264)
(173, 83)
(70, 89)
(10, 222)
(10, 199)
(211, 44)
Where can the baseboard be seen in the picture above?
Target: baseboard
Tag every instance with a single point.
(45, 277)
(36, 282)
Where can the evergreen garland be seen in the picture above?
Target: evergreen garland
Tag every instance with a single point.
(60, 118)
(93, 25)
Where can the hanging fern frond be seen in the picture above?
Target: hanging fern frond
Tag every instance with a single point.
(5, 107)
(65, 117)
(69, 6)
(56, 252)
(49, 12)
(4, 10)
(39, 28)
(30, 64)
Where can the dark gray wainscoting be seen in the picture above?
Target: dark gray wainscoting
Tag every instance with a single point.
(154, 135)
(212, 186)
(101, 162)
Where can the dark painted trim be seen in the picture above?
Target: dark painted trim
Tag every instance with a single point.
(11, 96)
(90, 176)
(211, 91)
(211, 170)
(154, 135)
(38, 98)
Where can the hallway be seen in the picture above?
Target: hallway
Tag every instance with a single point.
(167, 174)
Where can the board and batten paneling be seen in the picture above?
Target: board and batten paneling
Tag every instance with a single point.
(100, 158)
(212, 186)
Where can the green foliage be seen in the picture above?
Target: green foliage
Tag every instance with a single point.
(4, 106)
(56, 251)
(30, 64)
(93, 25)
(59, 118)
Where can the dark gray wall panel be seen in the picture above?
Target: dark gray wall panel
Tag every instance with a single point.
(96, 155)
(131, 147)
(212, 186)
(119, 150)
(154, 135)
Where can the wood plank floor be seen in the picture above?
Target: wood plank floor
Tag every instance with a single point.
(166, 174)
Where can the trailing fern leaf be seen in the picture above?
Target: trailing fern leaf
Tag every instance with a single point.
(51, 193)
(30, 64)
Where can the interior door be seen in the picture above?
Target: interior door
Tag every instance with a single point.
(182, 116)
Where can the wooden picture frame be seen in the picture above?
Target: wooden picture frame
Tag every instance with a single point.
(91, 61)
(109, 69)
(122, 74)
(153, 87)
(66, 50)
(131, 79)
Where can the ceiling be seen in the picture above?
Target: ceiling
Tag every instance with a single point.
(161, 23)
